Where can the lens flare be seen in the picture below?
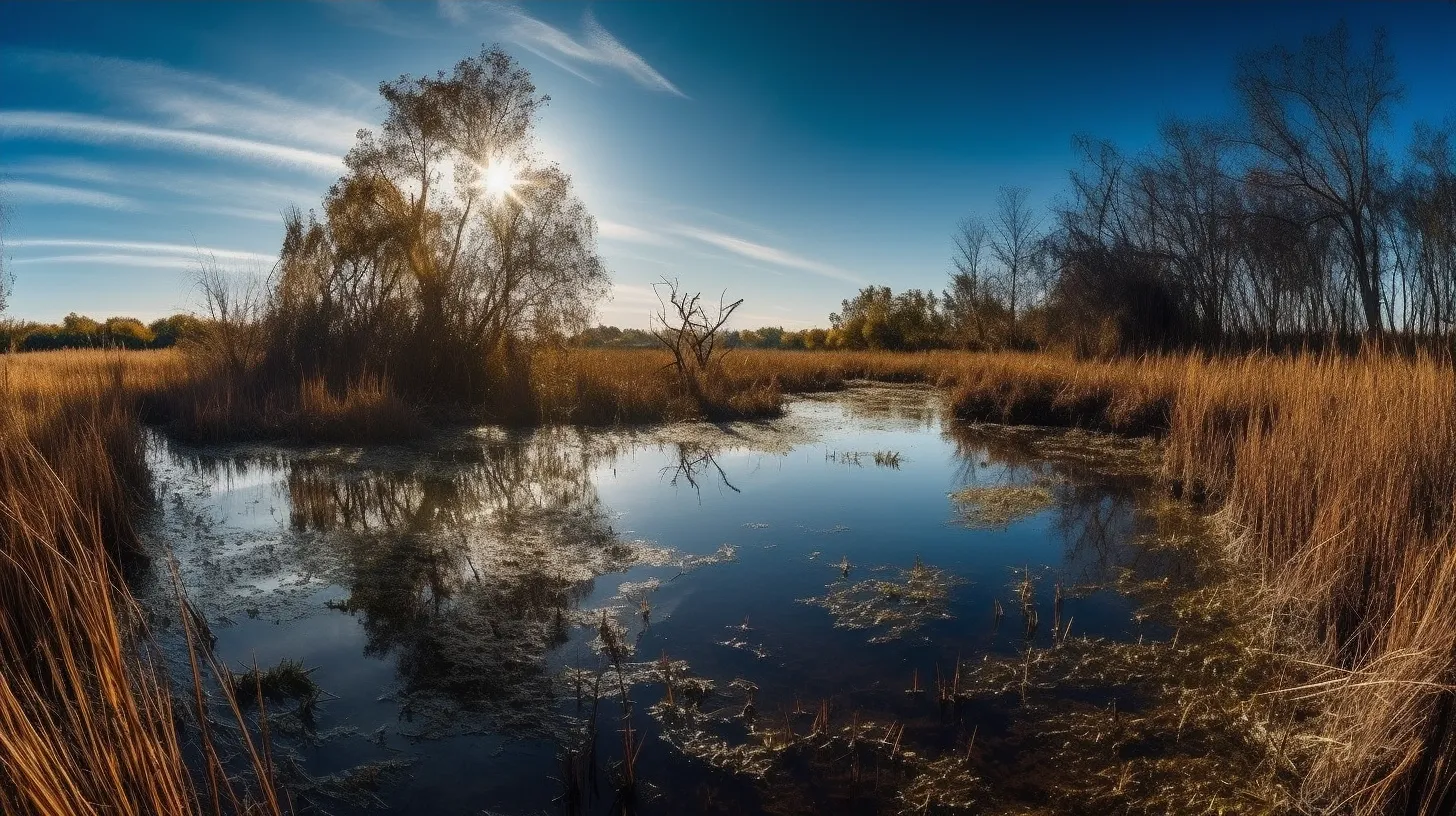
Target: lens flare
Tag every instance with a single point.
(499, 178)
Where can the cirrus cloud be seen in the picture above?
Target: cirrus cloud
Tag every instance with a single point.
(154, 249)
(43, 193)
(102, 130)
(762, 252)
(595, 47)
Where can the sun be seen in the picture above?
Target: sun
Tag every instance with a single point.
(500, 179)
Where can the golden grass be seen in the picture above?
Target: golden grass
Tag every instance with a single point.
(84, 727)
(38, 384)
(1339, 481)
(87, 723)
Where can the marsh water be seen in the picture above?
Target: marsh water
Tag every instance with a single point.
(459, 600)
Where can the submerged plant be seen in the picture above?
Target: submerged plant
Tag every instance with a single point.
(895, 606)
(290, 678)
(888, 459)
(1000, 505)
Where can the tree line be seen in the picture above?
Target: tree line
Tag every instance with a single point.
(764, 337)
(1291, 220)
(80, 331)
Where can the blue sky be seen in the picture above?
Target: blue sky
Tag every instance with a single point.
(788, 153)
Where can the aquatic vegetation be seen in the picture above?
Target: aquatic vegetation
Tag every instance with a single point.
(290, 678)
(881, 458)
(888, 459)
(724, 554)
(1182, 725)
(1000, 505)
(357, 786)
(895, 606)
(1076, 454)
(872, 401)
(639, 594)
(950, 783)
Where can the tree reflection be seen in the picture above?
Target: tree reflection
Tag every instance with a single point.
(1101, 486)
(468, 568)
(693, 463)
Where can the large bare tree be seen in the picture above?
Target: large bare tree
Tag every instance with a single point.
(1192, 212)
(1015, 236)
(967, 300)
(691, 329)
(1313, 118)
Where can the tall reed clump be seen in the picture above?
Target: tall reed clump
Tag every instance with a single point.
(1123, 396)
(84, 726)
(620, 386)
(87, 723)
(1338, 477)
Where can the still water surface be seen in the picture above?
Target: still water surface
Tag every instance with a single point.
(445, 593)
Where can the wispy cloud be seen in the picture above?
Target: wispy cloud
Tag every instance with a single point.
(595, 47)
(113, 259)
(101, 130)
(184, 99)
(183, 252)
(267, 216)
(631, 293)
(454, 11)
(761, 252)
(376, 16)
(615, 231)
(239, 192)
(41, 193)
(69, 169)
(253, 198)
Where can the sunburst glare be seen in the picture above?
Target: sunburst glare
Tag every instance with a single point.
(499, 178)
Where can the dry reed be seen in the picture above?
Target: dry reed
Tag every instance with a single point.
(87, 723)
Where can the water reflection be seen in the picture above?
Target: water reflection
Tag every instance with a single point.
(694, 462)
(1100, 489)
(473, 568)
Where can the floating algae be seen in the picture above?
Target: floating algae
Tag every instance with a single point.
(356, 786)
(876, 405)
(1180, 725)
(895, 606)
(823, 758)
(1000, 505)
(1074, 454)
